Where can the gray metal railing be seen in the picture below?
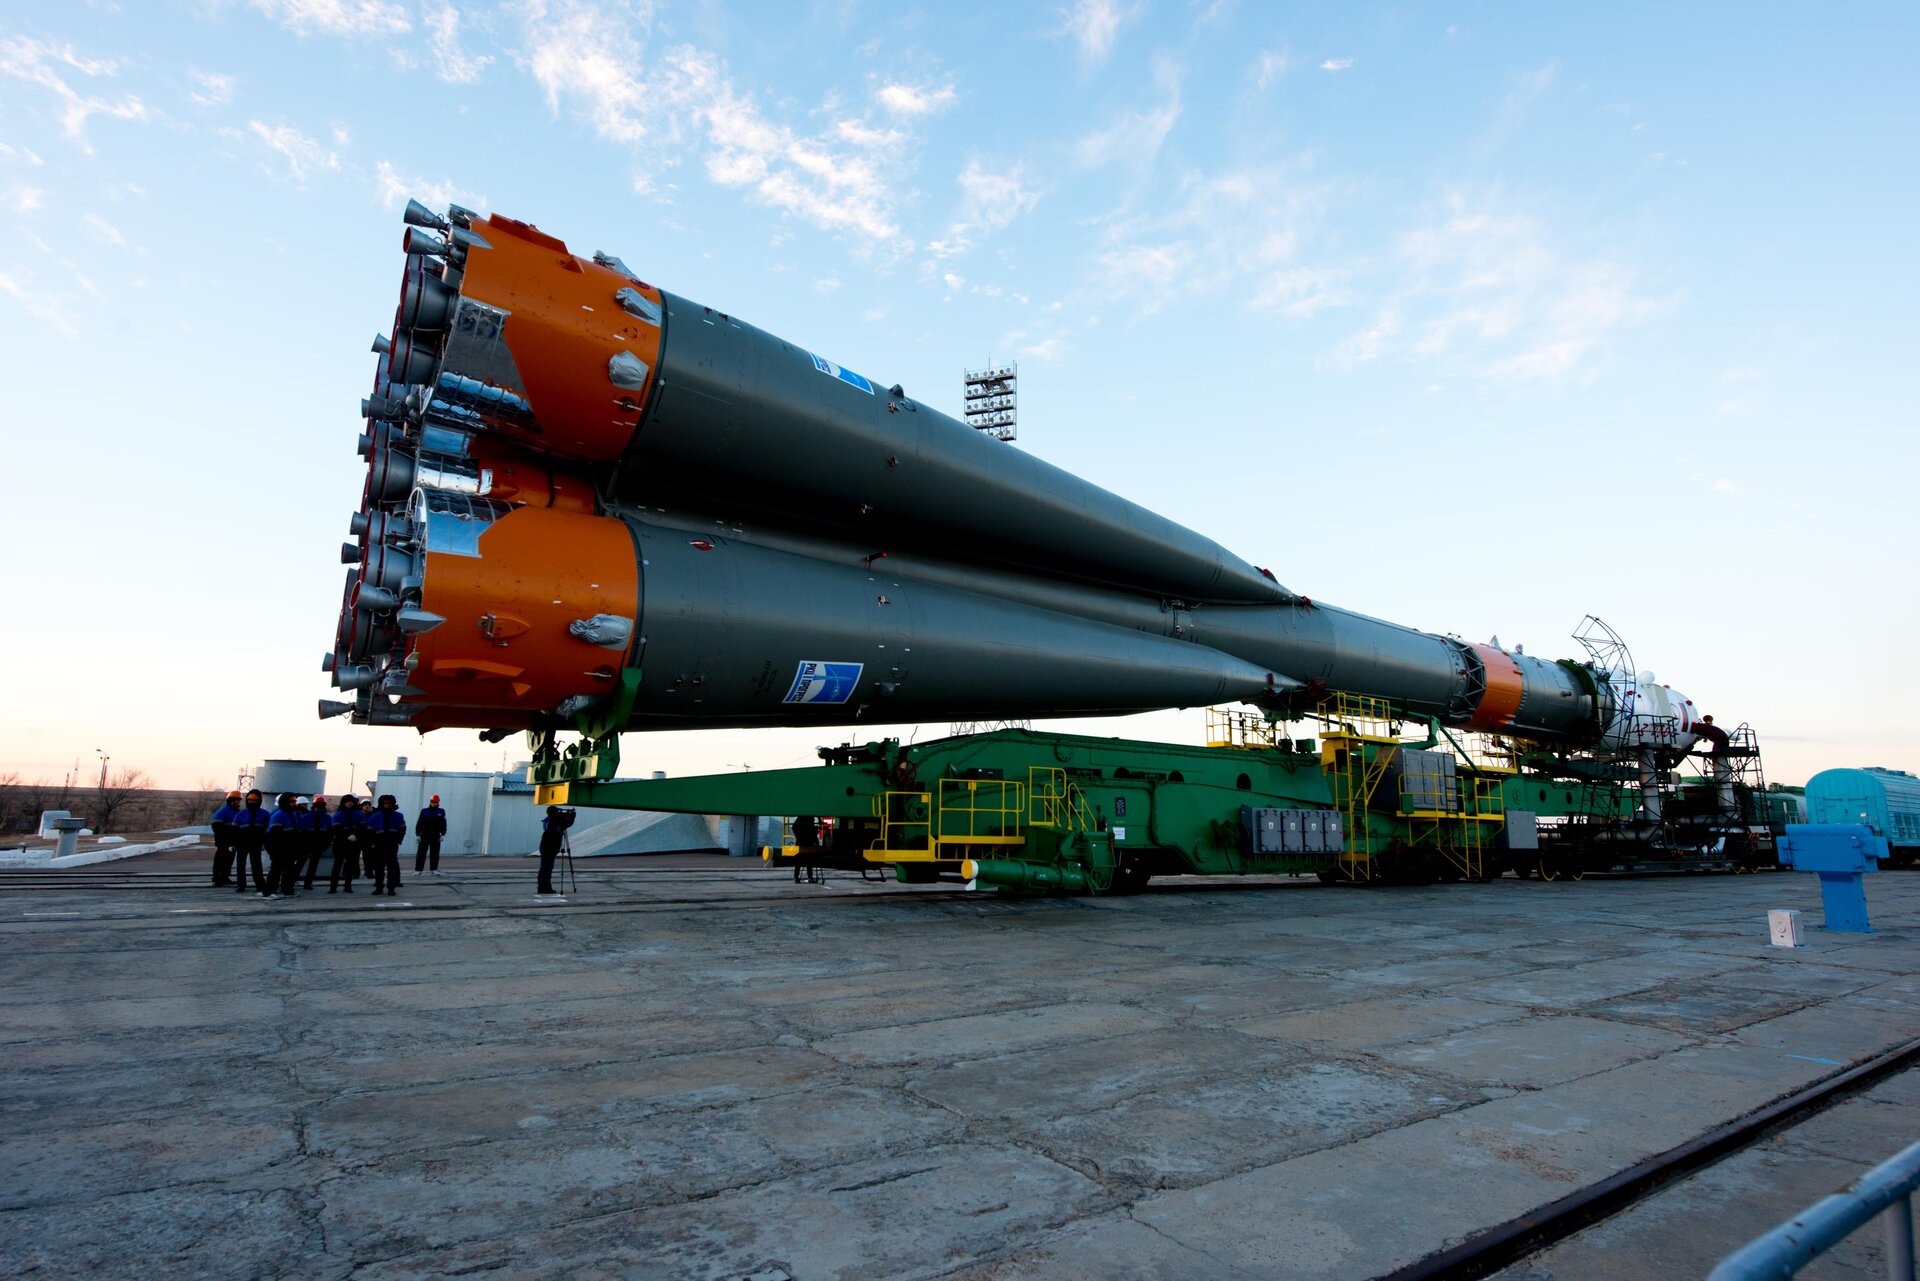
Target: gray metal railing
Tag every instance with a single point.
(1887, 1189)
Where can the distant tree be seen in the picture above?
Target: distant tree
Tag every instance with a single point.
(196, 806)
(111, 799)
(42, 796)
(13, 803)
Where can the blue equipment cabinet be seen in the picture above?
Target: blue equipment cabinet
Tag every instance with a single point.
(1842, 854)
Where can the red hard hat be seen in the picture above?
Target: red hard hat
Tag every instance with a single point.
(435, 798)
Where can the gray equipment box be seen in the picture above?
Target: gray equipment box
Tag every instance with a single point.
(1522, 832)
(1427, 781)
(1292, 831)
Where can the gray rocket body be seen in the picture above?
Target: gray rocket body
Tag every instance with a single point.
(578, 483)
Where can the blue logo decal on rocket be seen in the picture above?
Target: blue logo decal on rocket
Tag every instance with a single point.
(846, 376)
(818, 682)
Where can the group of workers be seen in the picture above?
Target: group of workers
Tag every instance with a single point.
(297, 833)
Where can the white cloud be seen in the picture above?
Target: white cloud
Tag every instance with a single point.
(21, 153)
(905, 100)
(451, 63)
(42, 64)
(1725, 486)
(842, 179)
(827, 286)
(215, 89)
(1336, 64)
(38, 303)
(1528, 87)
(1302, 292)
(1269, 67)
(394, 189)
(105, 232)
(1240, 231)
(989, 200)
(23, 199)
(1487, 290)
(862, 134)
(337, 17)
(1136, 137)
(954, 282)
(301, 155)
(1095, 26)
(581, 52)
(1369, 344)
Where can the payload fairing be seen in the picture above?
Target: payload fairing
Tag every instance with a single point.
(585, 492)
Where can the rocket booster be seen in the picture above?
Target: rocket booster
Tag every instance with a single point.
(579, 484)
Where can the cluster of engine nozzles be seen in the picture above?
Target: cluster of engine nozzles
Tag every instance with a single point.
(380, 604)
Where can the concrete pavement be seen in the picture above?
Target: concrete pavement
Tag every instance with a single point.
(696, 1069)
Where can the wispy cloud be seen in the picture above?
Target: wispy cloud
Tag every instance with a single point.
(1269, 67)
(1486, 289)
(215, 88)
(105, 232)
(48, 66)
(1095, 26)
(300, 157)
(580, 53)
(989, 200)
(1336, 64)
(1137, 135)
(23, 199)
(1240, 231)
(451, 62)
(1517, 106)
(1725, 486)
(838, 177)
(909, 100)
(38, 303)
(337, 17)
(393, 188)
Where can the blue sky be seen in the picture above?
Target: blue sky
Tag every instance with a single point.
(1476, 317)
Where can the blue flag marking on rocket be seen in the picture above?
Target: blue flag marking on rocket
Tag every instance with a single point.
(818, 682)
(846, 376)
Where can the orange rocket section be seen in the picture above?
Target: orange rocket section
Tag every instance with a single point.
(505, 641)
(1505, 688)
(566, 330)
(520, 477)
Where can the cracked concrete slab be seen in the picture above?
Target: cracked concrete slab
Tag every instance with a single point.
(686, 1071)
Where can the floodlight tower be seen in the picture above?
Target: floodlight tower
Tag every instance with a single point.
(992, 400)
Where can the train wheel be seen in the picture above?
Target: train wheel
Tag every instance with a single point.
(1547, 871)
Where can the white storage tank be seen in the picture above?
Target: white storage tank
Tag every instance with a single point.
(302, 778)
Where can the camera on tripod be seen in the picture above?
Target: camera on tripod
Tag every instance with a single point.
(560, 818)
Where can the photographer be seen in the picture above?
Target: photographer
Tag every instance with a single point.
(553, 835)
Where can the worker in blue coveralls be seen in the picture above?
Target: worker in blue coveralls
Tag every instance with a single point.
(428, 829)
(286, 833)
(319, 835)
(349, 835)
(223, 842)
(249, 839)
(386, 828)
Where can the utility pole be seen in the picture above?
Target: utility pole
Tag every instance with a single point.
(104, 758)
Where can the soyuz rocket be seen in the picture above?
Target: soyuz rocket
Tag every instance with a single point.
(579, 484)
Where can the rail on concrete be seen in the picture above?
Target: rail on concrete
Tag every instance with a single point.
(1886, 1190)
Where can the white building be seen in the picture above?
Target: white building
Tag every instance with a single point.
(495, 814)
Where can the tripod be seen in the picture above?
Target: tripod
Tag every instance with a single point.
(567, 875)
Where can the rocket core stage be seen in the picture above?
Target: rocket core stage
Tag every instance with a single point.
(584, 492)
